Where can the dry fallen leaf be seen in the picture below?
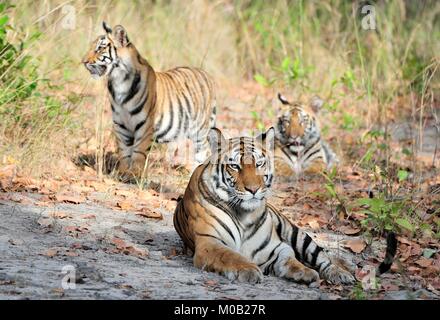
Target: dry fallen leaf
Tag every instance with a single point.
(128, 248)
(413, 270)
(355, 245)
(70, 198)
(424, 262)
(389, 287)
(348, 230)
(404, 240)
(125, 205)
(59, 215)
(51, 252)
(288, 202)
(124, 193)
(87, 216)
(147, 213)
(211, 283)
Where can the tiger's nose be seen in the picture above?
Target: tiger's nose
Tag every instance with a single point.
(252, 189)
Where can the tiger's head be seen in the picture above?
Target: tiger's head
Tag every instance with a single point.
(107, 50)
(242, 168)
(297, 127)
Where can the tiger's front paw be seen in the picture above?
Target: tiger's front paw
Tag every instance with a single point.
(336, 275)
(298, 272)
(248, 273)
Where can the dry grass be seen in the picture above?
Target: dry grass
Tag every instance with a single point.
(367, 77)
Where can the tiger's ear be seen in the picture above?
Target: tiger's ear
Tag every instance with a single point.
(268, 139)
(283, 99)
(216, 140)
(120, 37)
(280, 109)
(316, 104)
(106, 27)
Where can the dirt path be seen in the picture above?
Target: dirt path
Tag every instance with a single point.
(118, 255)
(120, 241)
(35, 247)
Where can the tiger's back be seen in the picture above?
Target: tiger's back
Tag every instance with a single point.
(185, 103)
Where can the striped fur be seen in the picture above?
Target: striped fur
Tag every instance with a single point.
(298, 140)
(151, 106)
(225, 220)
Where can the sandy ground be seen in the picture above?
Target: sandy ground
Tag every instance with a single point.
(28, 269)
(35, 248)
(119, 254)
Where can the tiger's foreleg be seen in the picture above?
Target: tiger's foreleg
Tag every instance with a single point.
(125, 141)
(282, 263)
(143, 142)
(316, 167)
(211, 255)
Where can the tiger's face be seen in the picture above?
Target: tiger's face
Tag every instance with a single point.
(296, 127)
(105, 51)
(244, 168)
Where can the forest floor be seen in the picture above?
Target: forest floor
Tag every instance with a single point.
(120, 242)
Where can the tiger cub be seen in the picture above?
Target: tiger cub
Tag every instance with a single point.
(298, 139)
(147, 105)
(226, 221)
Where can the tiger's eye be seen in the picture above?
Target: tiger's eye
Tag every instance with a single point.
(260, 163)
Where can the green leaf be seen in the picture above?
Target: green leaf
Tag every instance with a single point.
(285, 65)
(428, 253)
(261, 80)
(406, 151)
(402, 175)
(405, 224)
(330, 190)
(3, 20)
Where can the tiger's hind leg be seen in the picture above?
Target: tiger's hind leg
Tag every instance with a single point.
(202, 149)
(200, 137)
(309, 253)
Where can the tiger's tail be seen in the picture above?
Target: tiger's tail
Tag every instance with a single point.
(390, 253)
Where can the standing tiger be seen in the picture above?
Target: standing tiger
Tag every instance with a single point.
(225, 220)
(150, 106)
(298, 139)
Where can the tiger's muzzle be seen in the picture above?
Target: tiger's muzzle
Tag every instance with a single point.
(95, 69)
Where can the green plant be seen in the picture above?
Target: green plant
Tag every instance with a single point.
(330, 186)
(31, 112)
(257, 119)
(385, 214)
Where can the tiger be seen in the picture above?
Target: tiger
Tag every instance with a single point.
(298, 139)
(224, 218)
(149, 106)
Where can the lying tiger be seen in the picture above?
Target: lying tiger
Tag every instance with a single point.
(148, 105)
(299, 142)
(225, 220)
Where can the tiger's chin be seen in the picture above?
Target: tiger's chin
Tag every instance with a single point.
(97, 71)
(251, 204)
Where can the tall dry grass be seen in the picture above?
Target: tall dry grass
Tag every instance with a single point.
(366, 77)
